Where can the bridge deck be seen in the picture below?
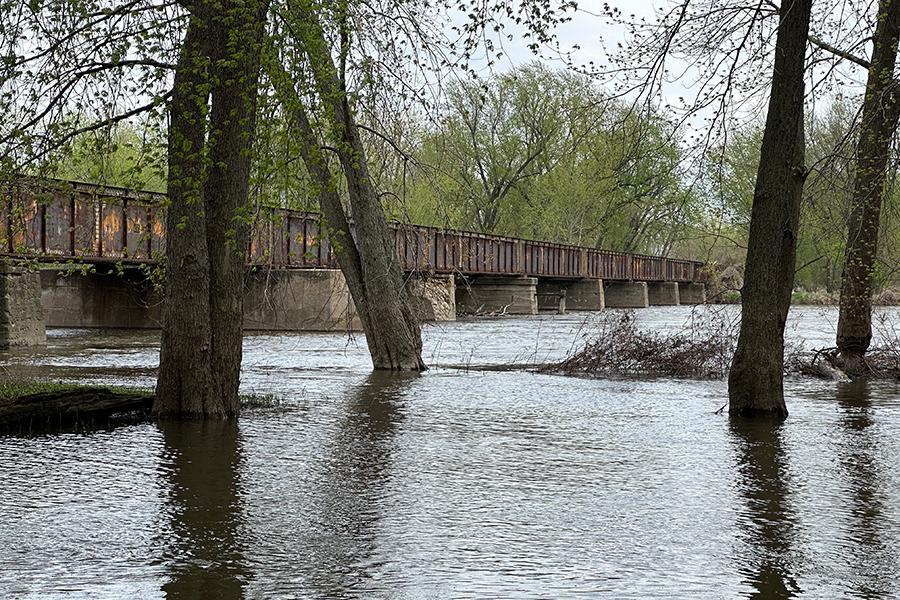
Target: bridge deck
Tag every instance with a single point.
(88, 223)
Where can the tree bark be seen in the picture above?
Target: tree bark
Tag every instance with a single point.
(227, 190)
(392, 330)
(367, 259)
(880, 113)
(184, 384)
(209, 175)
(755, 382)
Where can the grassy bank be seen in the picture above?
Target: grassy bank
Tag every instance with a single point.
(15, 389)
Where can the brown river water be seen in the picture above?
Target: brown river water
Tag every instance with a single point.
(460, 483)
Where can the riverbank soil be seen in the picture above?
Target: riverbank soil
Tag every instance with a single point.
(81, 406)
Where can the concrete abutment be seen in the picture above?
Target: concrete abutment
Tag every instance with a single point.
(274, 300)
(21, 311)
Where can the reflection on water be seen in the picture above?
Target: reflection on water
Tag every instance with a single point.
(202, 550)
(767, 521)
(345, 500)
(455, 483)
(860, 461)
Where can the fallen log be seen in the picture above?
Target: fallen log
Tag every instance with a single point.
(81, 406)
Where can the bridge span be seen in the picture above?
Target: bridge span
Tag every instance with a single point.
(116, 229)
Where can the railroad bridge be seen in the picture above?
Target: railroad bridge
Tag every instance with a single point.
(293, 281)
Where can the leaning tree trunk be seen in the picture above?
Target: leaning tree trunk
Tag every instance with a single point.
(368, 260)
(755, 385)
(392, 329)
(184, 385)
(880, 112)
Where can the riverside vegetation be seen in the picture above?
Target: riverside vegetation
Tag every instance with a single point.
(614, 346)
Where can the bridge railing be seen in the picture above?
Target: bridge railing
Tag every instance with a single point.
(80, 221)
(88, 222)
(289, 239)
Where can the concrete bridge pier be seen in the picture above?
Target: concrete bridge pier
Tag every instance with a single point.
(663, 293)
(103, 298)
(298, 300)
(497, 295)
(21, 311)
(626, 294)
(434, 297)
(692, 293)
(319, 300)
(584, 294)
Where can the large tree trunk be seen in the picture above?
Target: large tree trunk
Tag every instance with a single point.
(367, 259)
(227, 191)
(392, 330)
(200, 355)
(755, 386)
(184, 385)
(880, 112)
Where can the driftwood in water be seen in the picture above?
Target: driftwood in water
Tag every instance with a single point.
(67, 407)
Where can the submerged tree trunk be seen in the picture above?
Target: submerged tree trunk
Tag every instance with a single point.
(392, 330)
(227, 191)
(184, 384)
(755, 386)
(209, 174)
(367, 259)
(880, 113)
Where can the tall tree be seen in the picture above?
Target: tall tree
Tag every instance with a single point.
(880, 112)
(543, 154)
(367, 259)
(211, 130)
(755, 387)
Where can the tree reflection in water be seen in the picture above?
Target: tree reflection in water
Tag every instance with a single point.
(767, 522)
(874, 567)
(204, 552)
(348, 496)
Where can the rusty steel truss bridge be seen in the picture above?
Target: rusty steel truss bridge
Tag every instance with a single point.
(65, 221)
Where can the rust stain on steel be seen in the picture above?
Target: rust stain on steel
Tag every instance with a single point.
(92, 222)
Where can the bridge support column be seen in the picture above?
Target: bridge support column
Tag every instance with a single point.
(434, 298)
(498, 295)
(692, 293)
(626, 294)
(21, 311)
(663, 293)
(298, 300)
(104, 298)
(586, 294)
(551, 301)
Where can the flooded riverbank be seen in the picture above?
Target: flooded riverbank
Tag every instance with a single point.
(457, 483)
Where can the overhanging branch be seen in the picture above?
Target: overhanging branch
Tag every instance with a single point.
(838, 52)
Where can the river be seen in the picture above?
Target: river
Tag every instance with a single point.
(460, 483)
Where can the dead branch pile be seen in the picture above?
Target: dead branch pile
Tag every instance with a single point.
(703, 350)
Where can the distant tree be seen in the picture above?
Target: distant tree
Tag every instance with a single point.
(125, 155)
(542, 153)
(730, 181)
